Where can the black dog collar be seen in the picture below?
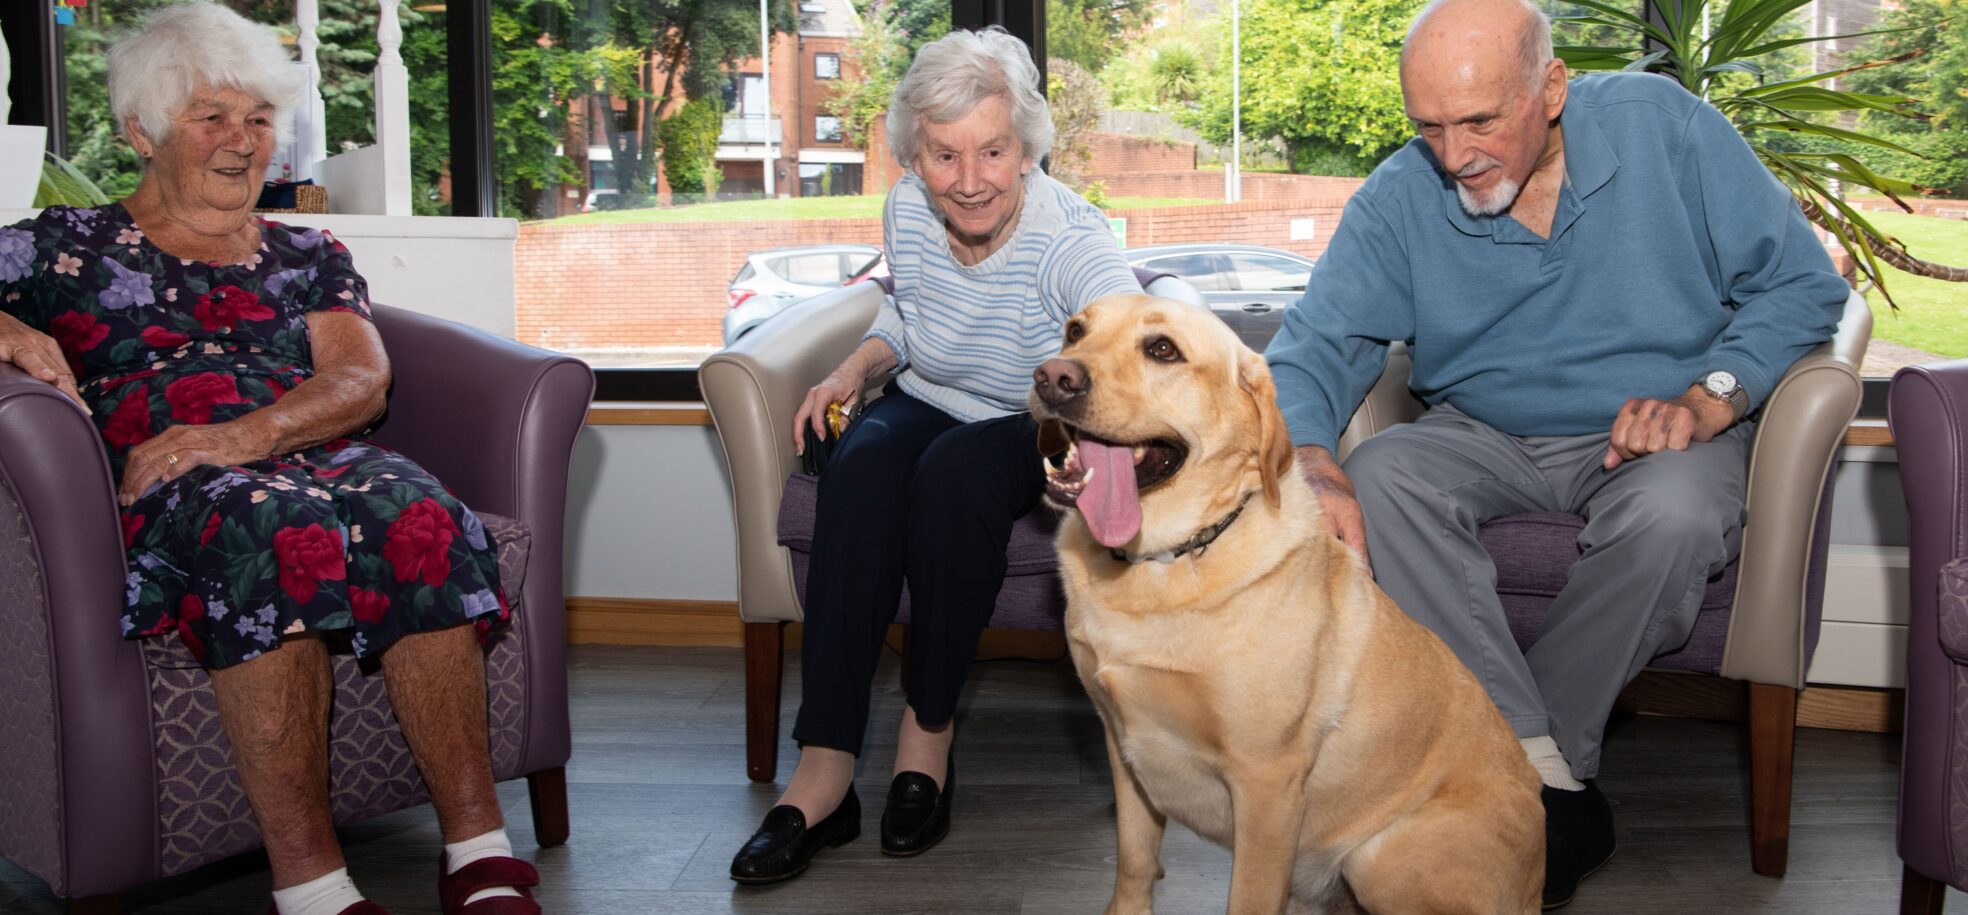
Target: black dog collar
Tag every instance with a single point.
(1197, 544)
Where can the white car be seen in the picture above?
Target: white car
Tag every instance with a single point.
(1248, 286)
(772, 281)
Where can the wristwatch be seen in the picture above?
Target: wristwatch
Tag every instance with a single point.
(1723, 386)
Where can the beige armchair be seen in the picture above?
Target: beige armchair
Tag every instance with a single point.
(1759, 619)
(752, 389)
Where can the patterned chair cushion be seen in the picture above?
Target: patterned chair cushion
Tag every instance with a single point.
(202, 812)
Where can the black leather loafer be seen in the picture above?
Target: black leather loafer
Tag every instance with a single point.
(918, 815)
(784, 845)
(1578, 835)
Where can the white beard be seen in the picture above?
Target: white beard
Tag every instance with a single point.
(1498, 199)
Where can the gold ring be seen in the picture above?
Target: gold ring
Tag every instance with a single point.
(171, 459)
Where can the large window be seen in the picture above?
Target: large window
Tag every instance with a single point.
(346, 55)
(635, 142)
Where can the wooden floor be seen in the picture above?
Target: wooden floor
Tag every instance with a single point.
(660, 803)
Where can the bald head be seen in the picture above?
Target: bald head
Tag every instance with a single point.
(1479, 39)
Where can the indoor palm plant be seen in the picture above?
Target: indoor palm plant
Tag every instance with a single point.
(1718, 52)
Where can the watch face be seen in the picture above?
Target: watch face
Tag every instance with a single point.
(1721, 384)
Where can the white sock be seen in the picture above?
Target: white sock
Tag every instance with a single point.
(1551, 764)
(327, 894)
(493, 844)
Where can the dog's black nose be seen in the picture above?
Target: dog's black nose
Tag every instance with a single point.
(1060, 380)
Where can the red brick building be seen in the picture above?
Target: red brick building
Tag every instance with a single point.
(807, 149)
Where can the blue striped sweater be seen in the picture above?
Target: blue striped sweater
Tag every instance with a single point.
(968, 338)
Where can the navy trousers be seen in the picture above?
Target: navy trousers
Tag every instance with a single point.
(910, 494)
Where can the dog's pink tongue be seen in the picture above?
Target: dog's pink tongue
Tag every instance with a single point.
(1111, 504)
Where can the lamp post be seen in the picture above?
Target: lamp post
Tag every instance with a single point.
(765, 57)
(1233, 170)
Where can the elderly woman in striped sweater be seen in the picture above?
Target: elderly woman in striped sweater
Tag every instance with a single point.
(990, 257)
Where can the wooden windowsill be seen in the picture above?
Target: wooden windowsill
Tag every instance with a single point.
(1868, 432)
(648, 414)
(1861, 432)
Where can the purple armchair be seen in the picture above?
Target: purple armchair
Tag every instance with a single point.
(113, 769)
(1929, 416)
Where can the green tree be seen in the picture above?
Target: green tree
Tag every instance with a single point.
(1086, 32)
(879, 55)
(1167, 75)
(1323, 76)
(1076, 99)
(689, 141)
(1938, 78)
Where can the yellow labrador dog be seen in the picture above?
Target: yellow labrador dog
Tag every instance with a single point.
(1255, 684)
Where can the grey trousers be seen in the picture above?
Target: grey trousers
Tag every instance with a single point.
(1656, 529)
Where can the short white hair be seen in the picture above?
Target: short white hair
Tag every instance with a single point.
(952, 74)
(154, 72)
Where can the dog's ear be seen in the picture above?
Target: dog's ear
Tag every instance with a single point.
(1274, 451)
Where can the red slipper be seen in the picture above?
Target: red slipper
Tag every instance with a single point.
(365, 907)
(484, 874)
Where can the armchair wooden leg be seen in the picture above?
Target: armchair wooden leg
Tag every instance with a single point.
(112, 904)
(1772, 742)
(1921, 894)
(546, 791)
(763, 644)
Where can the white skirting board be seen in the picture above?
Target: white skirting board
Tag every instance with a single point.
(1863, 639)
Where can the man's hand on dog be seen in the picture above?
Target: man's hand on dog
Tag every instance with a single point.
(1335, 494)
(1646, 425)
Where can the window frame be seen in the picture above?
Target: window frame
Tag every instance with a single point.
(830, 55)
(38, 93)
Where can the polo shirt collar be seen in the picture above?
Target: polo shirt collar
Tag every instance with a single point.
(1589, 163)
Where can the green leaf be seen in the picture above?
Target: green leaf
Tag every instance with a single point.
(1813, 98)
(62, 185)
(339, 619)
(1820, 130)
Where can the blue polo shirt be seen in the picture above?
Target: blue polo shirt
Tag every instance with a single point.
(1673, 252)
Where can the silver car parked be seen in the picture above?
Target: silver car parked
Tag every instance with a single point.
(1248, 286)
(772, 281)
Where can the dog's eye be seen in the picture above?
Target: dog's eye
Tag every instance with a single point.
(1074, 331)
(1164, 349)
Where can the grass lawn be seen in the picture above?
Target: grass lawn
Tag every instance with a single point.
(1933, 315)
(866, 206)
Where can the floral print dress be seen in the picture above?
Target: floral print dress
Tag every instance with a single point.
(345, 536)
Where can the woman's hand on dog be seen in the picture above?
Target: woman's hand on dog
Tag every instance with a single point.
(1336, 500)
(841, 386)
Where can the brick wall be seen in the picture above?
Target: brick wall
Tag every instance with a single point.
(662, 284)
(1265, 223)
(647, 284)
(1119, 154)
(1259, 187)
(1922, 206)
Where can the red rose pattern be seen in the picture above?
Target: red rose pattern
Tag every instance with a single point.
(129, 426)
(307, 556)
(228, 307)
(193, 398)
(419, 543)
(368, 606)
(77, 333)
(160, 338)
(191, 610)
(269, 561)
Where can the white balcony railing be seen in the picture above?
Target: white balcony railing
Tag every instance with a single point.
(749, 129)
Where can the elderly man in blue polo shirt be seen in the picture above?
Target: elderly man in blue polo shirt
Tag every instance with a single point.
(1599, 284)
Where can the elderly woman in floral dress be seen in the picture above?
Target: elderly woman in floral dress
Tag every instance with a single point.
(231, 368)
